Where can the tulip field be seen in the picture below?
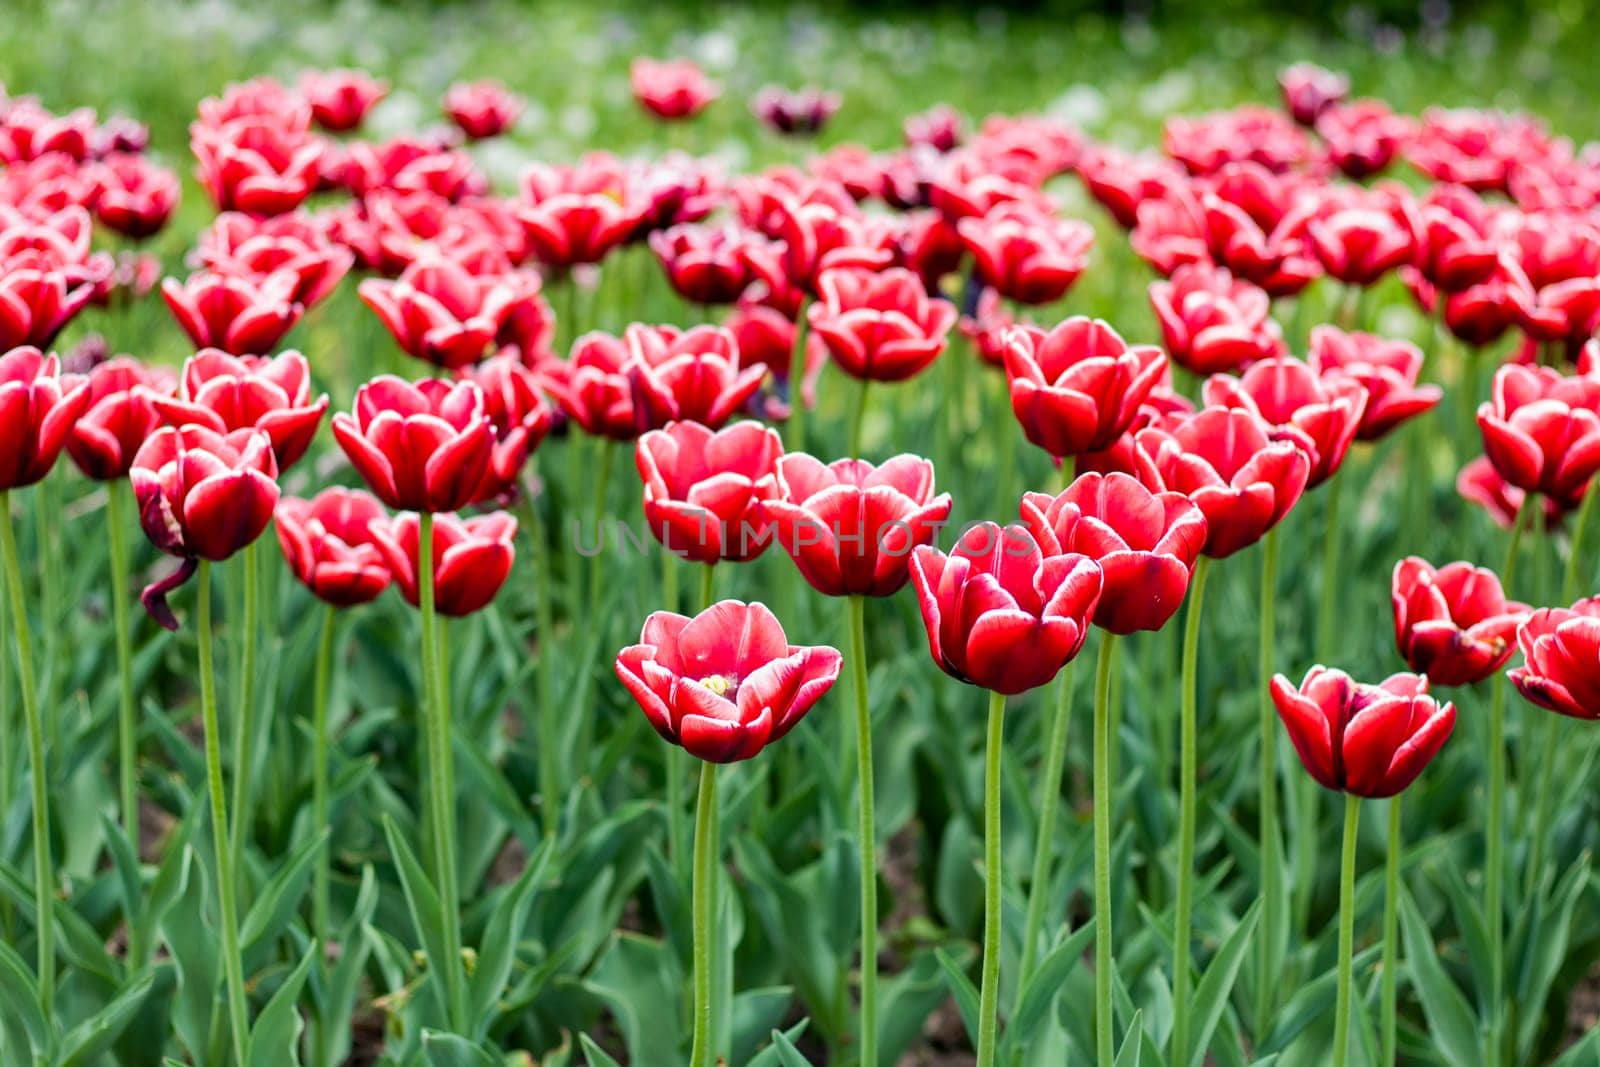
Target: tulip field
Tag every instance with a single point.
(775, 536)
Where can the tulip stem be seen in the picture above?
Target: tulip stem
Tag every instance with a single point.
(43, 869)
(708, 584)
(1570, 574)
(233, 963)
(1327, 638)
(602, 483)
(545, 726)
(1269, 845)
(1391, 961)
(797, 380)
(1182, 930)
(1055, 758)
(245, 714)
(1347, 927)
(127, 729)
(441, 789)
(1102, 850)
(321, 875)
(704, 892)
(868, 837)
(989, 995)
(860, 419)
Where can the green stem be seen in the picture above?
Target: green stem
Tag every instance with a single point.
(1391, 959)
(989, 995)
(43, 870)
(1570, 574)
(1055, 758)
(127, 727)
(545, 725)
(321, 875)
(797, 378)
(708, 583)
(1102, 851)
(244, 717)
(1271, 860)
(859, 420)
(1188, 728)
(47, 527)
(704, 891)
(868, 836)
(602, 483)
(1327, 639)
(441, 792)
(233, 962)
(1347, 927)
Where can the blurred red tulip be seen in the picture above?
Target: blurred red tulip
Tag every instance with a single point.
(440, 313)
(1323, 413)
(1212, 321)
(482, 109)
(989, 328)
(226, 393)
(242, 246)
(851, 527)
(28, 131)
(38, 408)
(1358, 245)
(1541, 430)
(38, 298)
(1363, 136)
(1077, 388)
(471, 558)
(705, 265)
(1552, 264)
(1121, 181)
(410, 165)
(1479, 483)
(119, 419)
(330, 545)
(1027, 256)
(880, 325)
(800, 111)
(241, 316)
(340, 99)
(1309, 91)
(1386, 369)
(726, 683)
(1204, 144)
(1000, 614)
(1455, 243)
(570, 228)
(704, 489)
(1145, 542)
(939, 128)
(671, 89)
(1354, 737)
(422, 446)
(1561, 646)
(255, 164)
(1453, 624)
(133, 196)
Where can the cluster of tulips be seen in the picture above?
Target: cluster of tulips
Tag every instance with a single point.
(881, 264)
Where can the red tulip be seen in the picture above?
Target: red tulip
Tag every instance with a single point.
(880, 326)
(28, 131)
(471, 558)
(1541, 430)
(255, 99)
(1000, 614)
(989, 328)
(1359, 245)
(1169, 232)
(133, 196)
(1030, 257)
(340, 99)
(242, 246)
(1226, 462)
(726, 683)
(1212, 321)
(1553, 268)
(694, 375)
(256, 164)
(513, 400)
(939, 128)
(1453, 624)
(1146, 544)
(1249, 228)
(482, 109)
(1310, 90)
(1205, 144)
(671, 89)
(1285, 393)
(851, 527)
(440, 313)
(1456, 248)
(1363, 136)
(706, 265)
(410, 165)
(238, 315)
(815, 238)
(331, 548)
(38, 297)
(119, 418)
(1479, 483)
(202, 494)
(929, 247)
(420, 446)
(1467, 146)
(1386, 369)
(226, 393)
(802, 111)
(1121, 181)
(1561, 646)
(704, 490)
(570, 228)
(1354, 737)
(1077, 388)
(38, 407)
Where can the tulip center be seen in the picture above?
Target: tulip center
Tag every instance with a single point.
(719, 684)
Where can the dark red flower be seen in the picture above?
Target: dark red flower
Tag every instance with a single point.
(1310, 90)
(1122, 181)
(412, 164)
(1028, 256)
(226, 393)
(1323, 413)
(39, 295)
(704, 489)
(1000, 614)
(202, 494)
(1145, 542)
(420, 446)
(1169, 232)
(482, 109)
(1541, 430)
(256, 164)
(471, 558)
(38, 407)
(1363, 136)
(851, 527)
(119, 419)
(671, 89)
(1354, 737)
(880, 325)
(242, 316)
(1454, 624)
(133, 196)
(1479, 483)
(800, 111)
(330, 545)
(1561, 646)
(1456, 246)
(570, 228)
(514, 401)
(726, 683)
(939, 128)
(1205, 144)
(441, 313)
(243, 246)
(1212, 321)
(1386, 369)
(340, 99)
(1077, 388)
(1552, 265)
(706, 265)
(1359, 244)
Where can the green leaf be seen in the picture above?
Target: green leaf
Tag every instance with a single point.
(594, 1055)
(86, 1041)
(1585, 1053)
(781, 1045)
(1216, 985)
(275, 1038)
(905, 1001)
(426, 917)
(1449, 1018)
(276, 906)
(500, 938)
(452, 1050)
(193, 946)
(788, 1055)
(963, 990)
(19, 994)
(1047, 982)
(343, 984)
(1547, 950)
(126, 863)
(1312, 1001)
(1128, 1056)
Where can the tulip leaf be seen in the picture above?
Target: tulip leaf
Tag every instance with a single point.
(1128, 1056)
(1216, 986)
(961, 988)
(275, 1037)
(1312, 1001)
(788, 1055)
(501, 937)
(905, 1001)
(19, 994)
(440, 1049)
(594, 1055)
(1449, 1017)
(339, 998)
(193, 945)
(780, 1046)
(1548, 936)
(278, 902)
(84, 1043)
(426, 917)
(1047, 984)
